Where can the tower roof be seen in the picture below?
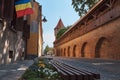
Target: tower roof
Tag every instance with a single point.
(60, 24)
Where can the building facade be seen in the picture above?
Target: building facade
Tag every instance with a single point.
(34, 43)
(15, 33)
(95, 35)
(12, 41)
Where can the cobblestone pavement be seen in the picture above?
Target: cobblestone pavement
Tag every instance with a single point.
(108, 69)
(14, 71)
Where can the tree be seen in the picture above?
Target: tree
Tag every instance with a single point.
(82, 6)
(62, 31)
(46, 49)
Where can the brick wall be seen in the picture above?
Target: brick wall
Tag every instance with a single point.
(102, 42)
(93, 36)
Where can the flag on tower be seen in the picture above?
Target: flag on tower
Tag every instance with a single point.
(23, 7)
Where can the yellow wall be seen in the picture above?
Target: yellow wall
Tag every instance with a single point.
(32, 44)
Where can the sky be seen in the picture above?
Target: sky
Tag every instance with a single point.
(53, 10)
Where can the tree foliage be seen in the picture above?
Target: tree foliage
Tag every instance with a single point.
(62, 31)
(82, 6)
(46, 49)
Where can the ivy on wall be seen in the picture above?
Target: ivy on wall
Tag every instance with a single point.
(62, 31)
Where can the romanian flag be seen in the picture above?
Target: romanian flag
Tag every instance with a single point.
(23, 7)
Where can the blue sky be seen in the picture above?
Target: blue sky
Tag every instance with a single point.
(54, 10)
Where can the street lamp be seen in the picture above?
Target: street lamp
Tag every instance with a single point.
(44, 19)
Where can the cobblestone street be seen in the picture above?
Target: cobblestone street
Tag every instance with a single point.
(108, 69)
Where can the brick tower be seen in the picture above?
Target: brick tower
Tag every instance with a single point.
(59, 26)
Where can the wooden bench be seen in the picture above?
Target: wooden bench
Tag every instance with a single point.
(69, 72)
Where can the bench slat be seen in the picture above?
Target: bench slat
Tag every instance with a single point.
(71, 75)
(96, 76)
(69, 72)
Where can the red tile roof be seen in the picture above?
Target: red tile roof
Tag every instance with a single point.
(60, 24)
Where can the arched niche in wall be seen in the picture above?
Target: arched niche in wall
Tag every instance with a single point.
(74, 51)
(61, 53)
(83, 49)
(68, 51)
(102, 48)
(64, 51)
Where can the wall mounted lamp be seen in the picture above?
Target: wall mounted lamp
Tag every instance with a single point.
(44, 19)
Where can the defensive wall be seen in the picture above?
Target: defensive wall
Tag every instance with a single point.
(95, 35)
